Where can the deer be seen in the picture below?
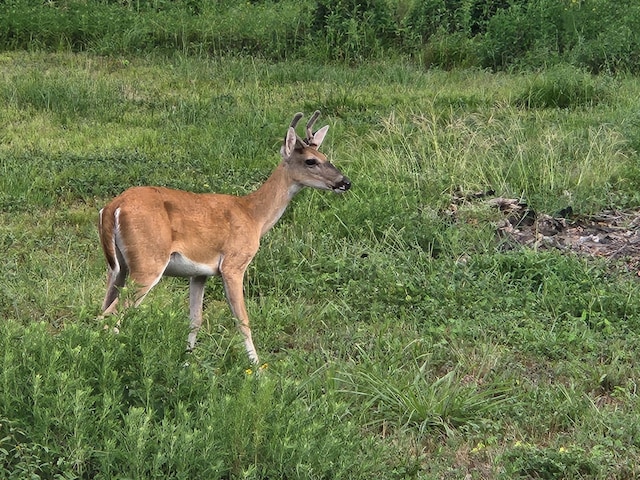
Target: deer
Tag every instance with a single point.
(148, 232)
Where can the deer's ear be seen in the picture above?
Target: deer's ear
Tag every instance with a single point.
(289, 142)
(318, 137)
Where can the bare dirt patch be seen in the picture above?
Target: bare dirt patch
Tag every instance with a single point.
(611, 234)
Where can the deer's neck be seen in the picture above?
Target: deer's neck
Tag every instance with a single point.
(268, 203)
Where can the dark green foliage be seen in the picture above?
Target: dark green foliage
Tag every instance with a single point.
(605, 35)
(192, 27)
(599, 35)
(520, 33)
(354, 29)
(468, 17)
(72, 24)
(449, 50)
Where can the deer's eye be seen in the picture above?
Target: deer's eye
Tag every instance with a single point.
(311, 161)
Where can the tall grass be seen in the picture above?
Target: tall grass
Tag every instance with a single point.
(447, 403)
(270, 28)
(401, 341)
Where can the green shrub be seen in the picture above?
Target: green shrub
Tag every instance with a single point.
(86, 403)
(605, 35)
(466, 17)
(514, 33)
(595, 34)
(353, 29)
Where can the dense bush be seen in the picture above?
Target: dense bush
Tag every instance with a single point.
(591, 33)
(599, 35)
(352, 28)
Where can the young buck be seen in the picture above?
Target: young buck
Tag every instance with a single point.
(150, 232)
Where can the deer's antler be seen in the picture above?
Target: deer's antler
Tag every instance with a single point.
(312, 120)
(296, 119)
(309, 139)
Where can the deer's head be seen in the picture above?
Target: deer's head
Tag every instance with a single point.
(305, 163)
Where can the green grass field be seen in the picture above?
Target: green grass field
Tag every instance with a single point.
(400, 341)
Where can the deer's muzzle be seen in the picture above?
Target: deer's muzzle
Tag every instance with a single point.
(342, 186)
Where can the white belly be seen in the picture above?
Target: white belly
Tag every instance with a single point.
(181, 266)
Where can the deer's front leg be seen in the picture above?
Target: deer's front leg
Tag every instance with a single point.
(196, 297)
(233, 280)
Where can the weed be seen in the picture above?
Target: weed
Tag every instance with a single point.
(527, 461)
(563, 87)
(447, 403)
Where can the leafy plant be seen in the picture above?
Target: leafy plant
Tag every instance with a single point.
(529, 461)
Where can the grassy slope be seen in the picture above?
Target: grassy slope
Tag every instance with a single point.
(399, 343)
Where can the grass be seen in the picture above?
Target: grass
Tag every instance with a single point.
(401, 342)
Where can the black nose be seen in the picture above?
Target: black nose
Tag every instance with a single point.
(343, 185)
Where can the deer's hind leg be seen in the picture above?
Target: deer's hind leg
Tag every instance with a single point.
(116, 279)
(144, 279)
